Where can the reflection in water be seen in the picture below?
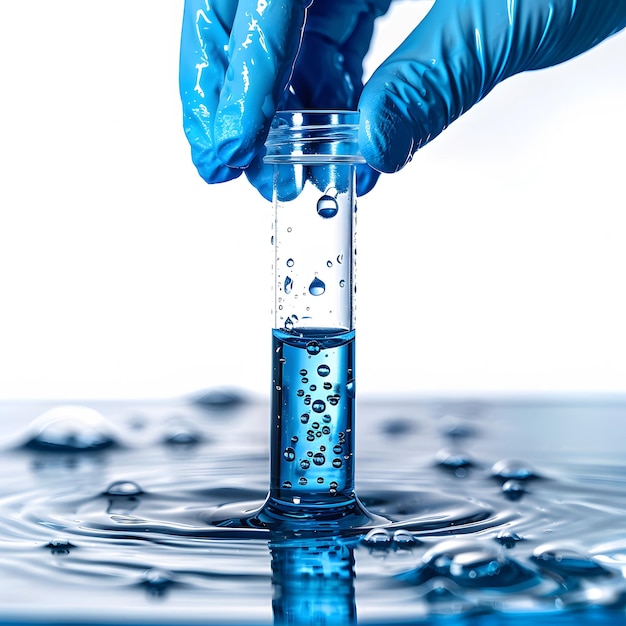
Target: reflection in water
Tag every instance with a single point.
(313, 581)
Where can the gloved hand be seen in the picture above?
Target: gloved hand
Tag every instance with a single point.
(238, 66)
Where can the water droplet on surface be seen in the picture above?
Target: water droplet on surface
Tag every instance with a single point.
(325, 430)
(378, 539)
(289, 262)
(302, 481)
(125, 488)
(329, 263)
(508, 539)
(320, 480)
(59, 546)
(157, 581)
(337, 463)
(303, 372)
(287, 484)
(304, 418)
(288, 285)
(70, 429)
(337, 449)
(342, 283)
(340, 258)
(319, 406)
(289, 454)
(403, 539)
(319, 459)
(513, 489)
(305, 464)
(327, 206)
(317, 287)
(323, 370)
(507, 469)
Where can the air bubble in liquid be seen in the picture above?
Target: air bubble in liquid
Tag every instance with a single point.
(327, 206)
(323, 370)
(317, 287)
(319, 406)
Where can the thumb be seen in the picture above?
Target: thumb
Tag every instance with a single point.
(459, 52)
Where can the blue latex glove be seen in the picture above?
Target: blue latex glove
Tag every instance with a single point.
(238, 66)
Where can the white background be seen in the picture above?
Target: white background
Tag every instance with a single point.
(493, 263)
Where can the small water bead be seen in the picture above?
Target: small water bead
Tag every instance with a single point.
(508, 539)
(329, 263)
(513, 489)
(124, 488)
(313, 388)
(289, 262)
(377, 539)
(337, 463)
(317, 287)
(289, 454)
(315, 425)
(340, 259)
(60, 546)
(307, 400)
(454, 460)
(405, 540)
(342, 283)
(328, 386)
(288, 285)
(157, 581)
(325, 430)
(303, 372)
(319, 406)
(319, 458)
(507, 469)
(323, 370)
(327, 418)
(182, 433)
(305, 464)
(302, 481)
(287, 484)
(313, 348)
(337, 449)
(294, 439)
(300, 393)
(70, 429)
(334, 399)
(304, 418)
(320, 480)
(327, 206)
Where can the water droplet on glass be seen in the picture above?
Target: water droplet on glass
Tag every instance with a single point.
(157, 581)
(302, 481)
(329, 263)
(304, 418)
(320, 480)
(337, 449)
(303, 372)
(325, 430)
(305, 464)
(289, 262)
(287, 484)
(289, 454)
(313, 348)
(323, 370)
(342, 283)
(288, 284)
(317, 287)
(319, 458)
(327, 206)
(340, 258)
(351, 388)
(124, 488)
(337, 463)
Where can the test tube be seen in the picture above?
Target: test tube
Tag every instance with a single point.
(314, 154)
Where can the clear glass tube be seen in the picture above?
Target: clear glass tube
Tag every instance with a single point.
(314, 154)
